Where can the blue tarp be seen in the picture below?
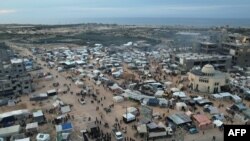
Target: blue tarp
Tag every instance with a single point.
(153, 102)
(67, 126)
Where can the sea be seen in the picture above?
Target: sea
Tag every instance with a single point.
(196, 22)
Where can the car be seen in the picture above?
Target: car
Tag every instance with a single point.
(193, 130)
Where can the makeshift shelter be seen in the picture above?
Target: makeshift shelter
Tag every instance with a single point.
(79, 83)
(64, 128)
(212, 110)
(128, 117)
(65, 109)
(43, 137)
(51, 92)
(118, 99)
(159, 93)
(32, 127)
(38, 97)
(9, 131)
(216, 96)
(225, 95)
(181, 106)
(174, 90)
(133, 111)
(142, 129)
(202, 121)
(179, 119)
(246, 113)
(153, 102)
(217, 123)
(189, 113)
(179, 94)
(4, 101)
(24, 139)
(236, 98)
(38, 116)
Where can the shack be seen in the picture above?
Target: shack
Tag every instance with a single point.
(202, 121)
(9, 131)
(39, 117)
(179, 119)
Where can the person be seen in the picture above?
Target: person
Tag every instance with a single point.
(214, 138)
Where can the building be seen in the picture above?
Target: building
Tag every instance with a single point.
(187, 61)
(13, 77)
(238, 46)
(207, 80)
(207, 47)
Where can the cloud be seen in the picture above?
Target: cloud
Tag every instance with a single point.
(7, 11)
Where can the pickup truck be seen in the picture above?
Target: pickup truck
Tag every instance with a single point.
(118, 134)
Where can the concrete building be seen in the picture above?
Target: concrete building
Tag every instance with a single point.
(207, 80)
(207, 47)
(238, 46)
(13, 77)
(189, 60)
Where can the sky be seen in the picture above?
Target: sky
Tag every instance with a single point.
(46, 11)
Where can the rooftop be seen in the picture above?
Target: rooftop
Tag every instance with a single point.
(201, 56)
(16, 61)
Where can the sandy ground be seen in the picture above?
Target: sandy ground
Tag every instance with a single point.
(83, 112)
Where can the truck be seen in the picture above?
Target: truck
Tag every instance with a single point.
(118, 134)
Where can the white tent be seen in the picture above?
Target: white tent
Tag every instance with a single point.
(118, 99)
(236, 98)
(9, 131)
(49, 77)
(133, 110)
(175, 90)
(32, 126)
(25, 139)
(218, 123)
(168, 83)
(159, 93)
(189, 113)
(179, 94)
(79, 83)
(65, 109)
(43, 137)
(198, 98)
(180, 106)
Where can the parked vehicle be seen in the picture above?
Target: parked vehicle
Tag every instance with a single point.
(118, 134)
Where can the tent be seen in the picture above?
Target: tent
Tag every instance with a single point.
(159, 93)
(180, 106)
(179, 94)
(153, 102)
(38, 116)
(43, 137)
(174, 90)
(133, 111)
(118, 99)
(189, 113)
(65, 109)
(25, 139)
(168, 83)
(216, 96)
(9, 131)
(32, 126)
(179, 119)
(218, 123)
(142, 129)
(79, 83)
(236, 98)
(65, 128)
